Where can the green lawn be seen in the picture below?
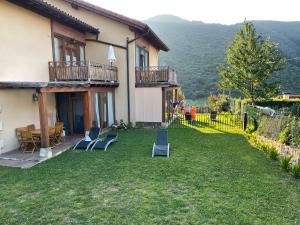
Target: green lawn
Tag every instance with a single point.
(211, 177)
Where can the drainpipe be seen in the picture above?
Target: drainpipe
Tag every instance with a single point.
(128, 92)
(127, 62)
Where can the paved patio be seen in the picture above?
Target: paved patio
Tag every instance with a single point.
(22, 160)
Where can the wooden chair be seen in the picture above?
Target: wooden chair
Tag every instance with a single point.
(28, 143)
(52, 138)
(31, 127)
(55, 137)
(19, 137)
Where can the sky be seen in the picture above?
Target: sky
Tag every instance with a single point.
(209, 11)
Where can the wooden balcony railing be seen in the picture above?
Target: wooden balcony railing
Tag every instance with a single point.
(155, 75)
(82, 71)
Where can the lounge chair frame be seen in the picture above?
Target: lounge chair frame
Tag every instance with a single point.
(90, 144)
(153, 150)
(155, 146)
(107, 144)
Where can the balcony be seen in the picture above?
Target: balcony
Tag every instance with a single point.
(82, 71)
(155, 75)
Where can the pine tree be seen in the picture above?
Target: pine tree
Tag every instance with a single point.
(251, 60)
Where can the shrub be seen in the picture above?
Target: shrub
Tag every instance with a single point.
(218, 103)
(271, 127)
(295, 170)
(295, 131)
(264, 147)
(277, 104)
(273, 153)
(250, 129)
(285, 162)
(295, 110)
(284, 136)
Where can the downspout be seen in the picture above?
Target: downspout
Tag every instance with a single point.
(128, 92)
(127, 62)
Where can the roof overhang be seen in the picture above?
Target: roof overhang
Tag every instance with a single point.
(137, 26)
(45, 9)
(70, 84)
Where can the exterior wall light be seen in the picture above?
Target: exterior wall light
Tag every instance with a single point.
(35, 97)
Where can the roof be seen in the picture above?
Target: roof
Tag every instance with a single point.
(138, 26)
(45, 9)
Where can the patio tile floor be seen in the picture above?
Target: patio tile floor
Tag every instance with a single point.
(18, 159)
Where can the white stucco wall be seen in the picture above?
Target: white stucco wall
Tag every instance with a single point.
(25, 47)
(113, 32)
(17, 109)
(148, 104)
(153, 56)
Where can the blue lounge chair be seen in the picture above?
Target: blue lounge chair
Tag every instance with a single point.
(93, 136)
(104, 143)
(161, 147)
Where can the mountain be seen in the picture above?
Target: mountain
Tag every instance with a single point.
(197, 49)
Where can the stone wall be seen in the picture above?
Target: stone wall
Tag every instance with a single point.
(284, 150)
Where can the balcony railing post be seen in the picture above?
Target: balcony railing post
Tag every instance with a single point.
(82, 71)
(89, 71)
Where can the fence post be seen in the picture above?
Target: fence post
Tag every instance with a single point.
(245, 121)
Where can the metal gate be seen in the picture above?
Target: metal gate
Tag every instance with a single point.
(222, 121)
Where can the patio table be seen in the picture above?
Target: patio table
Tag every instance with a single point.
(37, 132)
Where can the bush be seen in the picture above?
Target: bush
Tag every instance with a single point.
(273, 153)
(295, 170)
(294, 126)
(277, 104)
(264, 147)
(271, 127)
(218, 103)
(285, 162)
(284, 136)
(250, 129)
(295, 110)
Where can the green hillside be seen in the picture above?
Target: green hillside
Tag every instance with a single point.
(198, 48)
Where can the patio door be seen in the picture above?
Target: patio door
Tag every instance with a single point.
(103, 109)
(76, 114)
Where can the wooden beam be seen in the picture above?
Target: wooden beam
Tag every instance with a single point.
(176, 94)
(87, 107)
(43, 110)
(74, 89)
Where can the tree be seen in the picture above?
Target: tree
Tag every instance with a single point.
(218, 103)
(180, 94)
(251, 60)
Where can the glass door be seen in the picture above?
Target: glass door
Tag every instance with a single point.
(103, 113)
(78, 115)
(103, 109)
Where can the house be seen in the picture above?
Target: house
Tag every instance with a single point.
(54, 67)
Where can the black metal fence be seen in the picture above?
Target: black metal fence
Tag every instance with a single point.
(221, 121)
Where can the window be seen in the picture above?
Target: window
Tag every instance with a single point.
(58, 49)
(142, 57)
(68, 50)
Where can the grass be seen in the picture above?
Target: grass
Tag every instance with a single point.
(211, 177)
